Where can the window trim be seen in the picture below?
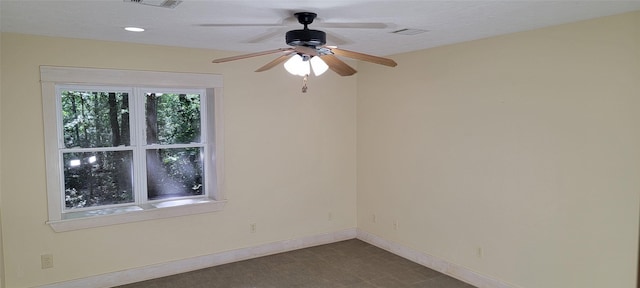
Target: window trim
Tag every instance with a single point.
(51, 76)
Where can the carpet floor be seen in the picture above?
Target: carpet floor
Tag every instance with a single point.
(346, 264)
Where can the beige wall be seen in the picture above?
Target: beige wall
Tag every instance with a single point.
(290, 160)
(525, 145)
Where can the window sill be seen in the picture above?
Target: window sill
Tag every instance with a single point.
(135, 213)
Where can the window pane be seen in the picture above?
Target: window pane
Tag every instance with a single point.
(97, 178)
(175, 172)
(172, 118)
(95, 119)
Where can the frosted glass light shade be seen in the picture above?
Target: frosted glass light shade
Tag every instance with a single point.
(297, 66)
(318, 66)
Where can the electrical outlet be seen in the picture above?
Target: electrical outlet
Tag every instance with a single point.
(374, 219)
(252, 227)
(395, 224)
(479, 252)
(46, 260)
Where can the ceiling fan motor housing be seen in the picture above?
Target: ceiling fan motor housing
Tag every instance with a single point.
(306, 37)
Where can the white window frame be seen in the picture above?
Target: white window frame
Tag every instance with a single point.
(214, 200)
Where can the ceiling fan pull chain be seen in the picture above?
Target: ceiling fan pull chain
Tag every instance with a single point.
(304, 83)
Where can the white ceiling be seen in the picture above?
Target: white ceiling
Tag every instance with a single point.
(446, 21)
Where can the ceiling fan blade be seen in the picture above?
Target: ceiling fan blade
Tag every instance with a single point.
(306, 50)
(244, 56)
(338, 65)
(348, 25)
(273, 33)
(275, 62)
(336, 40)
(364, 57)
(241, 25)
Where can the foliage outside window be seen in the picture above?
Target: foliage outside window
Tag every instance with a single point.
(99, 156)
(122, 150)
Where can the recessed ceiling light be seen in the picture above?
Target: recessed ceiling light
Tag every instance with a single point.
(134, 29)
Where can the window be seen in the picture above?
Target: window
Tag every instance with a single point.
(123, 145)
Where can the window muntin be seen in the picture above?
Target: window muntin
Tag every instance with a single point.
(106, 164)
(214, 199)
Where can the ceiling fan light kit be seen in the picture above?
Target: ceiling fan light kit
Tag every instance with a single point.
(318, 65)
(309, 53)
(296, 65)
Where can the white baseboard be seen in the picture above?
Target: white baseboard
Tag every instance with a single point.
(180, 266)
(175, 267)
(440, 265)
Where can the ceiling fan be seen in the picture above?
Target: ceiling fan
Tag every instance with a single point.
(307, 46)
